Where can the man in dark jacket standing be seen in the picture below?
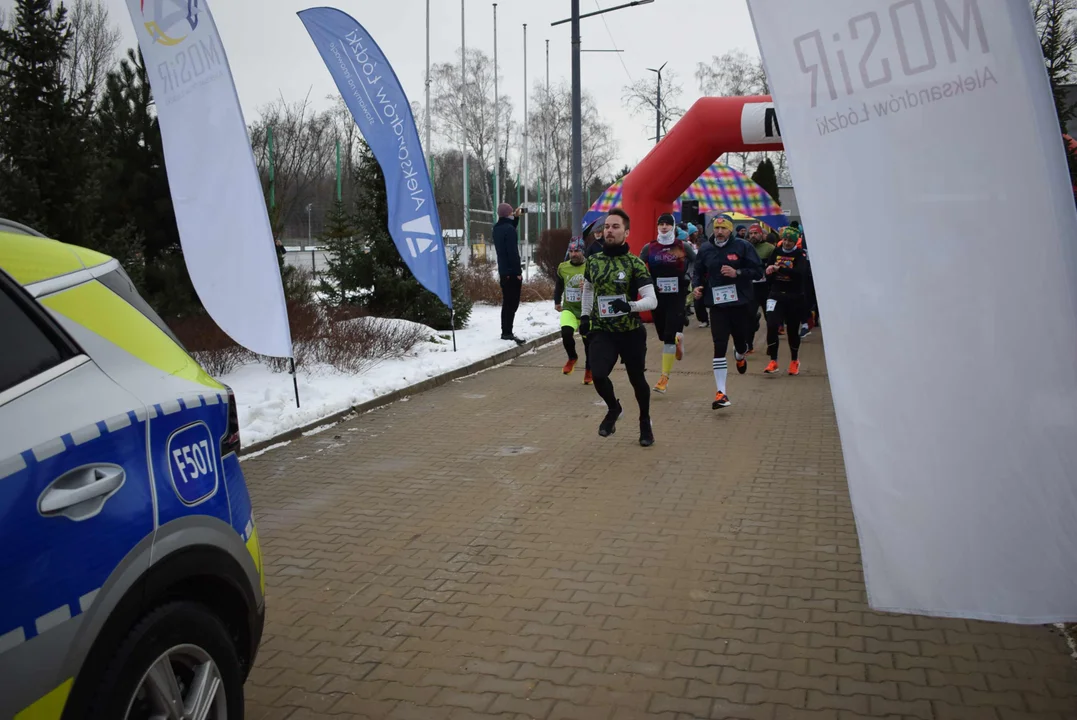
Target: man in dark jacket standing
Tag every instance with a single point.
(507, 246)
(726, 269)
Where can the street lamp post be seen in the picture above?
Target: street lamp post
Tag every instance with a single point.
(658, 104)
(577, 111)
(310, 241)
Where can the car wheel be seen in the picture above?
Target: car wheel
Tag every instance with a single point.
(178, 663)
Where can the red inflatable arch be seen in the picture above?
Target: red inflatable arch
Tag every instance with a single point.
(711, 128)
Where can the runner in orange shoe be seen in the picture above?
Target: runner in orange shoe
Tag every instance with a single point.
(567, 300)
(787, 305)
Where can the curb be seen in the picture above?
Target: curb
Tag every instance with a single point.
(396, 395)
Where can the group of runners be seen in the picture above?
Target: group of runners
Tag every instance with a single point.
(730, 279)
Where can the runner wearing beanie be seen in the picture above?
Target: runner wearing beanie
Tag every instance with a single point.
(612, 279)
(724, 273)
(668, 259)
(787, 304)
(570, 287)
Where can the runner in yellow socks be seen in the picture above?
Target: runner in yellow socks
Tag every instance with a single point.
(668, 259)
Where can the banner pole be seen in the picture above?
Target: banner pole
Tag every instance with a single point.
(295, 382)
(452, 315)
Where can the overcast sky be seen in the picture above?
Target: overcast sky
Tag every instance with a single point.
(271, 54)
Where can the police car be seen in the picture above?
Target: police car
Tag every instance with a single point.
(131, 579)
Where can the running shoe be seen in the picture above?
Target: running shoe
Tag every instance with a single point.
(742, 366)
(646, 435)
(587, 377)
(721, 400)
(663, 382)
(569, 367)
(794, 367)
(771, 368)
(805, 331)
(609, 423)
(704, 325)
(680, 346)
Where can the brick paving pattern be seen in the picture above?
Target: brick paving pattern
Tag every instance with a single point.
(479, 552)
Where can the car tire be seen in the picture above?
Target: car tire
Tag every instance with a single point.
(186, 638)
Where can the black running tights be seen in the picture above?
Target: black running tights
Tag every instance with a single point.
(631, 347)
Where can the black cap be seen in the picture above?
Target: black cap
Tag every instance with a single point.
(666, 219)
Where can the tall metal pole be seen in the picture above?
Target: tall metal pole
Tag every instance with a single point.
(463, 118)
(546, 141)
(497, 126)
(577, 124)
(527, 246)
(429, 151)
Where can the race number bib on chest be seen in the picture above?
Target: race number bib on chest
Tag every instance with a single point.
(668, 285)
(724, 294)
(573, 294)
(604, 309)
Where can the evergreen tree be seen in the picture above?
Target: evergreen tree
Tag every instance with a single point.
(368, 271)
(343, 253)
(766, 177)
(47, 158)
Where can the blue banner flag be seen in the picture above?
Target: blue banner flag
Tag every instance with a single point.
(377, 102)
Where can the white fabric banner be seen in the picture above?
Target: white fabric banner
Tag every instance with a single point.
(928, 164)
(220, 210)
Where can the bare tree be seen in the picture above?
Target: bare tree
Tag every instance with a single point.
(454, 109)
(641, 99)
(303, 159)
(551, 122)
(736, 74)
(92, 50)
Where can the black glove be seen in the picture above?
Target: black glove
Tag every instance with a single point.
(585, 326)
(620, 306)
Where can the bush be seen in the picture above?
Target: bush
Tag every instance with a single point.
(351, 346)
(537, 289)
(552, 246)
(214, 350)
(480, 282)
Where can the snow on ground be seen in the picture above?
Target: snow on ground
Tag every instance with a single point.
(266, 399)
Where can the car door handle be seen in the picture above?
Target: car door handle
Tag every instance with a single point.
(80, 493)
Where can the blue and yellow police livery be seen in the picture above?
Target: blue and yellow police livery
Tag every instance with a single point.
(131, 580)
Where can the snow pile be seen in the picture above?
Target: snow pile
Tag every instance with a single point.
(266, 399)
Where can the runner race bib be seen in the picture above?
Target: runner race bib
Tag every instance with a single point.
(724, 294)
(604, 309)
(771, 304)
(573, 294)
(668, 285)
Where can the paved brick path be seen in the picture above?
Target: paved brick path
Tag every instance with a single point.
(478, 551)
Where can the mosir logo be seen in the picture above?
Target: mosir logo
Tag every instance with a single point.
(169, 21)
(862, 54)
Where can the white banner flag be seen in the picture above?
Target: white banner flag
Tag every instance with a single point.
(928, 164)
(217, 194)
